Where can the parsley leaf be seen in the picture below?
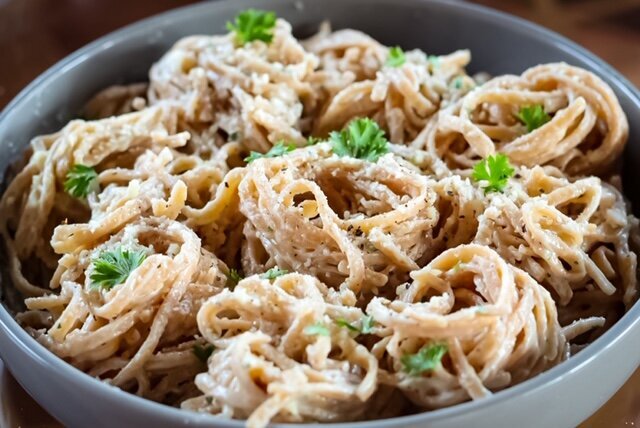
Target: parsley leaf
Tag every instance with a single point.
(253, 24)
(533, 117)
(396, 57)
(434, 61)
(366, 325)
(495, 170)
(111, 268)
(317, 329)
(233, 278)
(363, 139)
(427, 358)
(463, 82)
(80, 181)
(312, 141)
(344, 323)
(203, 352)
(458, 267)
(278, 150)
(273, 273)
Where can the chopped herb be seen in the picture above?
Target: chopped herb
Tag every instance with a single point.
(434, 61)
(278, 150)
(317, 329)
(233, 278)
(344, 323)
(533, 117)
(273, 273)
(426, 359)
(233, 136)
(495, 171)
(396, 57)
(366, 325)
(209, 400)
(81, 180)
(253, 24)
(311, 140)
(463, 82)
(203, 352)
(363, 139)
(458, 267)
(111, 268)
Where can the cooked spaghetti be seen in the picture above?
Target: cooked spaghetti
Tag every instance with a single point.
(322, 231)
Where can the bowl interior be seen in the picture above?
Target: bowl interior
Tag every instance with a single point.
(498, 45)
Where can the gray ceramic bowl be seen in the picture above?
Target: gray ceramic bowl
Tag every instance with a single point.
(561, 397)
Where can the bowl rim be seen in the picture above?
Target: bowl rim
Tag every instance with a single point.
(29, 346)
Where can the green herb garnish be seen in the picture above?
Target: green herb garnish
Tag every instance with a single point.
(495, 170)
(111, 268)
(317, 329)
(273, 273)
(427, 358)
(81, 180)
(434, 61)
(203, 352)
(533, 117)
(396, 57)
(363, 139)
(253, 24)
(312, 141)
(458, 267)
(233, 278)
(344, 323)
(278, 150)
(366, 325)
(461, 82)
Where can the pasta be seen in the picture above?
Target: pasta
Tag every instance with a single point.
(585, 135)
(325, 230)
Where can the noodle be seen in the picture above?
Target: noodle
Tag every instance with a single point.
(586, 134)
(375, 284)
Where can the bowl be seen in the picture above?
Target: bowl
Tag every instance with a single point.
(561, 397)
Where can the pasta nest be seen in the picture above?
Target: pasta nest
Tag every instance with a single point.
(134, 333)
(357, 83)
(37, 191)
(571, 235)
(500, 327)
(586, 134)
(343, 220)
(238, 91)
(271, 366)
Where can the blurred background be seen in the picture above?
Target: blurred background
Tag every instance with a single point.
(34, 34)
(609, 28)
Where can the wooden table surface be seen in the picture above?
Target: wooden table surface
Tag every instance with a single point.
(34, 34)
